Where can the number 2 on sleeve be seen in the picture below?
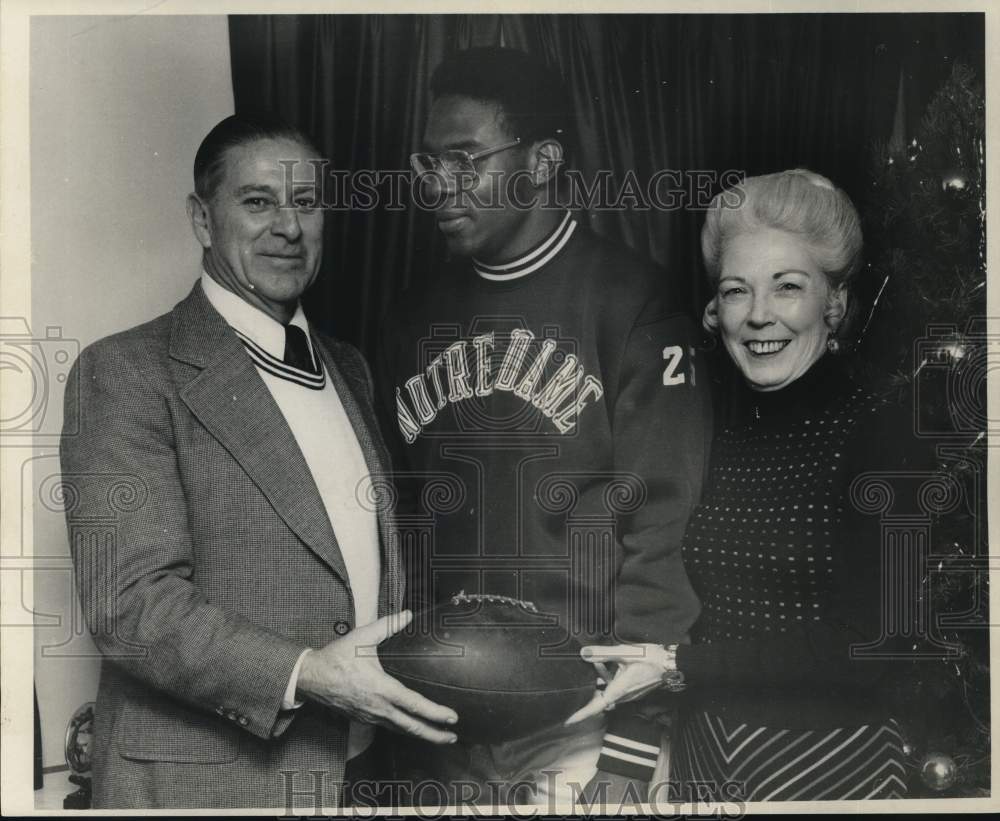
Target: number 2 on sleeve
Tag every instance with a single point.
(672, 374)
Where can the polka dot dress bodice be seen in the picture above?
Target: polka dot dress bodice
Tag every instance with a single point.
(761, 547)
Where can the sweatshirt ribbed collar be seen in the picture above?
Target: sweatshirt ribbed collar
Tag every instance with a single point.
(533, 260)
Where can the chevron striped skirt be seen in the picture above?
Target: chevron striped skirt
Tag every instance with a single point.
(772, 764)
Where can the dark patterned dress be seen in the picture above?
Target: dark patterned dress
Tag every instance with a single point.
(788, 573)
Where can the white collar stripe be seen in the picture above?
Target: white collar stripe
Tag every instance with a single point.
(263, 360)
(535, 266)
(298, 377)
(280, 362)
(527, 258)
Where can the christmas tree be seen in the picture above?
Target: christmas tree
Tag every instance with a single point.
(923, 341)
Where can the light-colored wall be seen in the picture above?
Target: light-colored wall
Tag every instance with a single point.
(118, 108)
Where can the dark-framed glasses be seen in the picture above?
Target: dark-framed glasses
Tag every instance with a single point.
(455, 161)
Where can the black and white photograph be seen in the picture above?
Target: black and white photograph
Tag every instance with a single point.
(517, 412)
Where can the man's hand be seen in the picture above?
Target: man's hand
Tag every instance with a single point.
(346, 676)
(636, 676)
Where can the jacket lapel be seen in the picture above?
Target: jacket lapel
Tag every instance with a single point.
(231, 400)
(350, 382)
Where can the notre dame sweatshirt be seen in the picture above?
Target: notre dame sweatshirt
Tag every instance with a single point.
(551, 422)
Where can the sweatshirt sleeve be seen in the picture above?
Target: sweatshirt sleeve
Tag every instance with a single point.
(820, 652)
(661, 429)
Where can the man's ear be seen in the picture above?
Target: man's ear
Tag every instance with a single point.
(836, 308)
(200, 222)
(710, 319)
(548, 156)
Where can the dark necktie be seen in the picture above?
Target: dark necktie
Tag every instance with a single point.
(297, 349)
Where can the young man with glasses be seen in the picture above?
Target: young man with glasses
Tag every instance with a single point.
(545, 407)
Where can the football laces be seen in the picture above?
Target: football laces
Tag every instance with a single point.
(472, 598)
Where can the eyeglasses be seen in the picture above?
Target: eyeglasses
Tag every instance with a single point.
(455, 161)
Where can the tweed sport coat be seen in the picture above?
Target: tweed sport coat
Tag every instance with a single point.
(222, 567)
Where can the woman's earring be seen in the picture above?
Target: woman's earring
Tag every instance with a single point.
(833, 344)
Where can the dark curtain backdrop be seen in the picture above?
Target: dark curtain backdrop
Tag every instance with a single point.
(755, 93)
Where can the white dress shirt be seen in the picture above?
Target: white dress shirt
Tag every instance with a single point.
(330, 446)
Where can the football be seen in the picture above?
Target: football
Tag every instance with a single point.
(505, 668)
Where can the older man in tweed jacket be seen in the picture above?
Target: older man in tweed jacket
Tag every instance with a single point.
(250, 579)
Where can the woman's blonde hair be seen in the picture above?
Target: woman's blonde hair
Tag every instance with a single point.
(798, 201)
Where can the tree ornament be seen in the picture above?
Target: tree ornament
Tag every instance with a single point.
(951, 350)
(938, 771)
(954, 181)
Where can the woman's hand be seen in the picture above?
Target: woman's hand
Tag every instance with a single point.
(640, 671)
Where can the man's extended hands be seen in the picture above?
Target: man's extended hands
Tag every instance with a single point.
(346, 676)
